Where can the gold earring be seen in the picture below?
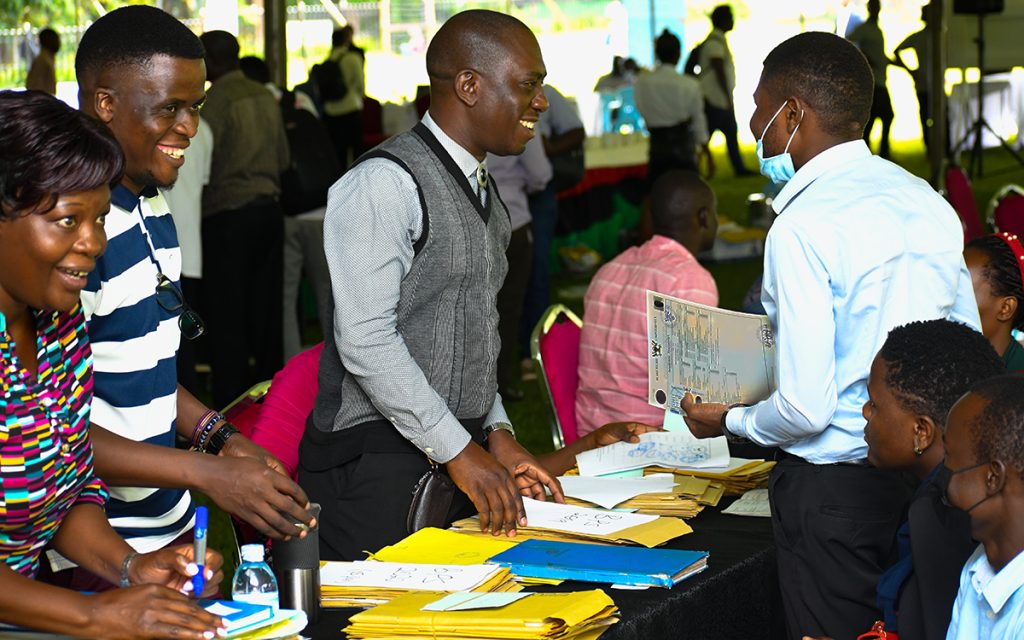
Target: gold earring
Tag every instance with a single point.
(918, 450)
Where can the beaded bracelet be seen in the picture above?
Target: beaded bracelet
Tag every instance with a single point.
(203, 429)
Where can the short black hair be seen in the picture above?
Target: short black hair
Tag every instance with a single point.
(47, 149)
(49, 39)
(667, 48)
(255, 68)
(998, 431)
(721, 15)
(932, 363)
(675, 196)
(1002, 272)
(468, 40)
(131, 36)
(828, 73)
(221, 48)
(342, 36)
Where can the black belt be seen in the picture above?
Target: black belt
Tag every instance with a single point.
(781, 455)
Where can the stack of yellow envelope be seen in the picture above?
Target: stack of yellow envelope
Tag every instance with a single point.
(580, 615)
(736, 481)
(441, 546)
(686, 499)
(365, 584)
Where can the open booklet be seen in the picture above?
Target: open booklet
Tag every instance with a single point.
(721, 356)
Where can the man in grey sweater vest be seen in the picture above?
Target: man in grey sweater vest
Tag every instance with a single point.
(415, 237)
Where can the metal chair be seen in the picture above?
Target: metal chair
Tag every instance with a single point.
(555, 349)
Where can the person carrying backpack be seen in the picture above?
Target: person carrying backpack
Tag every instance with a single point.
(340, 83)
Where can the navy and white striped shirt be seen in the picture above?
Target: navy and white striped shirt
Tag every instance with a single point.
(135, 345)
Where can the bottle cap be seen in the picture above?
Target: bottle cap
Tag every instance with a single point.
(252, 553)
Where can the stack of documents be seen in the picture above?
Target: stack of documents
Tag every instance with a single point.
(597, 563)
(247, 621)
(739, 477)
(441, 546)
(665, 449)
(581, 615)
(670, 496)
(553, 521)
(365, 584)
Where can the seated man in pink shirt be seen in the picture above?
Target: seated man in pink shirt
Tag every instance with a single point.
(613, 345)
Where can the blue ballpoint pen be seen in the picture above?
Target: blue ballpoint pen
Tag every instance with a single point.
(199, 549)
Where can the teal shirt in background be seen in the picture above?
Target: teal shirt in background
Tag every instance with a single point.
(1013, 357)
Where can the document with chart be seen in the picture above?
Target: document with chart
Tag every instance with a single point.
(721, 356)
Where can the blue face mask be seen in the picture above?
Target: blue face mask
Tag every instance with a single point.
(778, 168)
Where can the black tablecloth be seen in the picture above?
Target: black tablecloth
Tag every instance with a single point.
(736, 597)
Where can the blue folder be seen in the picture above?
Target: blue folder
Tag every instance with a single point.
(636, 566)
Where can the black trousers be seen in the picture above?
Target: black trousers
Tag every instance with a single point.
(242, 287)
(670, 148)
(724, 120)
(347, 135)
(363, 478)
(510, 304)
(881, 109)
(834, 529)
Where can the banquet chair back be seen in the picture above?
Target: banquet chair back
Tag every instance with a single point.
(961, 196)
(555, 347)
(1006, 210)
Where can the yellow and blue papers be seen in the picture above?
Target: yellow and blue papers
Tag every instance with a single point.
(597, 563)
(368, 583)
(285, 623)
(669, 449)
(580, 615)
(550, 520)
(442, 546)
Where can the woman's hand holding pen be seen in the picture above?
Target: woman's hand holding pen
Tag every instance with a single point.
(174, 567)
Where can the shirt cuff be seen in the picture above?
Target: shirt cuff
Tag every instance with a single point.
(736, 421)
(497, 413)
(444, 440)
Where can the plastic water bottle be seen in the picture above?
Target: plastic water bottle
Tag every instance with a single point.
(254, 582)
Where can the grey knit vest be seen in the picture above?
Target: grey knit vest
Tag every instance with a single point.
(447, 312)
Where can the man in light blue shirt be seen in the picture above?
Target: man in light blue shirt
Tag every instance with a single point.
(983, 476)
(860, 247)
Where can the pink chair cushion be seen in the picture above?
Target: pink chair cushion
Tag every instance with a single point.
(560, 352)
(961, 196)
(1009, 214)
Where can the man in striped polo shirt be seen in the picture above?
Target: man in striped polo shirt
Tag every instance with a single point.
(141, 72)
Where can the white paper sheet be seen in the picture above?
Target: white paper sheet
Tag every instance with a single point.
(672, 449)
(563, 517)
(402, 575)
(608, 492)
(752, 503)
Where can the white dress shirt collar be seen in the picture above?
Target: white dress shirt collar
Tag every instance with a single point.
(464, 159)
(996, 588)
(816, 166)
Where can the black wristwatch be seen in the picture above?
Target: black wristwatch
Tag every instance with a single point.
(219, 438)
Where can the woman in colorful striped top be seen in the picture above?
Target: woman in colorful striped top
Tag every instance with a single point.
(56, 170)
